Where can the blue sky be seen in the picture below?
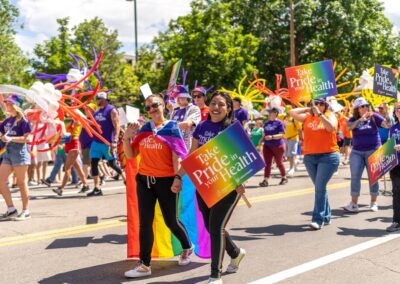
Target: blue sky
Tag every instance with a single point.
(39, 17)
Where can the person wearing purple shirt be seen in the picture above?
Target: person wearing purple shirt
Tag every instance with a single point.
(274, 146)
(86, 142)
(366, 140)
(216, 217)
(107, 117)
(240, 113)
(15, 133)
(395, 173)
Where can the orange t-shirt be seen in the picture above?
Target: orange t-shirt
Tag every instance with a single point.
(317, 140)
(343, 127)
(155, 158)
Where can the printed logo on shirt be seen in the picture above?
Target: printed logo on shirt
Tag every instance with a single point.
(178, 117)
(8, 129)
(396, 134)
(364, 125)
(208, 135)
(99, 117)
(270, 127)
(151, 143)
(315, 125)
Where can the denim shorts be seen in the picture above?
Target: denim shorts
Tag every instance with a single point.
(291, 148)
(17, 155)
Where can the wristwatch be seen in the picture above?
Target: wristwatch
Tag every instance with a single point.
(320, 113)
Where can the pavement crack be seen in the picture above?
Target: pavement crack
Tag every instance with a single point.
(376, 263)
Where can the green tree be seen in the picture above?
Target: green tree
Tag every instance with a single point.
(13, 63)
(214, 50)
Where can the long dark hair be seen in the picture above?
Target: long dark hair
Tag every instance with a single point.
(229, 117)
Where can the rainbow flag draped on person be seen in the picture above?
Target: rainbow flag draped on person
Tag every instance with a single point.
(166, 245)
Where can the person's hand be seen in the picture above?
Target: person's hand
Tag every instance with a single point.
(397, 147)
(130, 132)
(176, 186)
(185, 125)
(268, 137)
(315, 110)
(5, 138)
(240, 189)
(366, 116)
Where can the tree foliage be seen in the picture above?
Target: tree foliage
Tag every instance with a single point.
(13, 63)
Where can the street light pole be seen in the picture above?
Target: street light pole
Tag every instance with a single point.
(292, 44)
(136, 32)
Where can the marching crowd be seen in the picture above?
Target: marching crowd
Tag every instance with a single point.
(323, 138)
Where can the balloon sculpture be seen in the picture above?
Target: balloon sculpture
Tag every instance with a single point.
(64, 96)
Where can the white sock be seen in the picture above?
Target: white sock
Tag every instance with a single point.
(11, 209)
(26, 211)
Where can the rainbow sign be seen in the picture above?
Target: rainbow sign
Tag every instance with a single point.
(382, 160)
(385, 81)
(311, 81)
(222, 164)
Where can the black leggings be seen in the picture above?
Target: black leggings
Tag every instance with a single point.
(215, 220)
(395, 177)
(149, 190)
(94, 164)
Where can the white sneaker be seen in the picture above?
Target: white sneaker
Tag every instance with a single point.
(32, 183)
(234, 264)
(214, 280)
(23, 216)
(290, 173)
(374, 207)
(351, 207)
(316, 226)
(140, 270)
(184, 257)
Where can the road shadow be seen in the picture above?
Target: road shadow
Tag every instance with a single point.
(113, 273)
(362, 233)
(85, 241)
(256, 233)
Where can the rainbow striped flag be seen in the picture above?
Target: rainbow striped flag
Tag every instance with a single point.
(166, 245)
(3, 151)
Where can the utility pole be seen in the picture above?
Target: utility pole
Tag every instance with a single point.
(136, 31)
(292, 36)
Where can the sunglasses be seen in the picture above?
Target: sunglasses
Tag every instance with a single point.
(197, 96)
(319, 103)
(364, 106)
(154, 105)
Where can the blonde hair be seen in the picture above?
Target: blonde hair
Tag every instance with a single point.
(19, 114)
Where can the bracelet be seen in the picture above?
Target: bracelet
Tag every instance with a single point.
(178, 177)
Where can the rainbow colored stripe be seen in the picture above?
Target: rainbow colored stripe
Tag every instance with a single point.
(382, 160)
(311, 81)
(223, 163)
(165, 243)
(3, 151)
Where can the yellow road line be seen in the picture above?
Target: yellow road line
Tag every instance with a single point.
(64, 232)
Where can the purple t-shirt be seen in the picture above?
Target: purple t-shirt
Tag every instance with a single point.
(207, 130)
(366, 134)
(103, 118)
(179, 114)
(8, 128)
(395, 132)
(85, 139)
(241, 115)
(272, 127)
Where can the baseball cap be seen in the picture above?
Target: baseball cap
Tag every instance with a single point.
(181, 91)
(101, 95)
(14, 99)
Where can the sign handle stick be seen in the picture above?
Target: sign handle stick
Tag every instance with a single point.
(246, 200)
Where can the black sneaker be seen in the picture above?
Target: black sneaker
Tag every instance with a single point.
(393, 228)
(9, 215)
(95, 192)
(58, 191)
(264, 183)
(46, 182)
(283, 181)
(84, 189)
(116, 177)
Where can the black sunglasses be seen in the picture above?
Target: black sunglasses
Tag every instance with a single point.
(363, 106)
(154, 105)
(197, 96)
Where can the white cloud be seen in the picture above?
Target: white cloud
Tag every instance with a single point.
(39, 16)
(28, 42)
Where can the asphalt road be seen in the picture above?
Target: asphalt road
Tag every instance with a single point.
(74, 239)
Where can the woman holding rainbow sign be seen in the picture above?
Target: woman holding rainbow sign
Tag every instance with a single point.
(321, 154)
(216, 218)
(160, 145)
